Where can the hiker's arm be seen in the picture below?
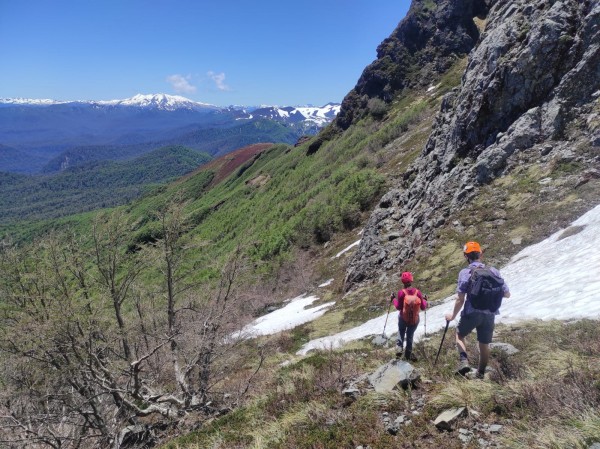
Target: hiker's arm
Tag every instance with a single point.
(460, 300)
(396, 301)
(505, 290)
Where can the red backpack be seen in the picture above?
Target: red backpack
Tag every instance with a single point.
(411, 308)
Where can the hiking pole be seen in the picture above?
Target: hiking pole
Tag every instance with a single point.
(443, 336)
(386, 317)
(426, 299)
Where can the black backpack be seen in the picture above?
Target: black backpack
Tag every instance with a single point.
(485, 289)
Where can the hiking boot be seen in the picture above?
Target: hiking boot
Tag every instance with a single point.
(398, 352)
(411, 357)
(463, 367)
(475, 375)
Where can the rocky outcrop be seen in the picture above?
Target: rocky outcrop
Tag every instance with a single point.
(532, 82)
(429, 39)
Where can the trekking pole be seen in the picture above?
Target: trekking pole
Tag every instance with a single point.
(443, 336)
(426, 299)
(386, 317)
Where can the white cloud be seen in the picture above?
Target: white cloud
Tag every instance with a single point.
(219, 79)
(181, 84)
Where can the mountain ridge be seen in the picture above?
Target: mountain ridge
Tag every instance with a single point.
(47, 128)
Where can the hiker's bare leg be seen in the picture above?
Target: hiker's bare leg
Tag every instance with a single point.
(484, 356)
(460, 343)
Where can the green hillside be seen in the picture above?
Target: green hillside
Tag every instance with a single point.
(286, 199)
(91, 186)
(214, 141)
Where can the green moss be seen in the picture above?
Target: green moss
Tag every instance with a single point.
(229, 430)
(566, 168)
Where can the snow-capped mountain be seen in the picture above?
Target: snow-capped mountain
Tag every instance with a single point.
(29, 102)
(319, 116)
(153, 101)
(158, 101)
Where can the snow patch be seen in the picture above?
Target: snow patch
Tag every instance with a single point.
(348, 248)
(327, 283)
(295, 313)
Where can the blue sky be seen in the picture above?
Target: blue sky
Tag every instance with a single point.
(221, 52)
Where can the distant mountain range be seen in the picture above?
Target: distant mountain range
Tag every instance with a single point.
(42, 135)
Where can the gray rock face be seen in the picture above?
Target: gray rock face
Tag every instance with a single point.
(534, 72)
(392, 374)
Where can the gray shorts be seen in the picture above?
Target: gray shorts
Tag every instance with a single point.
(483, 322)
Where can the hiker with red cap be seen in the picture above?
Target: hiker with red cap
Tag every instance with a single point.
(480, 289)
(409, 301)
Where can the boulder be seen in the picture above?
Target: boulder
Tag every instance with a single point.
(394, 373)
(351, 392)
(445, 420)
(504, 347)
(495, 428)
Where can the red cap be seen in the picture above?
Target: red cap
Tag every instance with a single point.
(406, 277)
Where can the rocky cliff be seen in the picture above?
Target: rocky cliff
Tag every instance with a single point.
(426, 42)
(528, 97)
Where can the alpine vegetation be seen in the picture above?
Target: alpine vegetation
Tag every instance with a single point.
(459, 183)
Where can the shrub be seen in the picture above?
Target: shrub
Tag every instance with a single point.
(377, 107)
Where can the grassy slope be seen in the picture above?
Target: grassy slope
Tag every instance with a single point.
(551, 386)
(286, 199)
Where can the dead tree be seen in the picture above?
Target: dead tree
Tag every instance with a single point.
(82, 341)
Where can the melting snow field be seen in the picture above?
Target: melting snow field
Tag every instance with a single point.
(293, 314)
(558, 278)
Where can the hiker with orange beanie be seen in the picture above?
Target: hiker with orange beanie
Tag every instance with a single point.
(409, 302)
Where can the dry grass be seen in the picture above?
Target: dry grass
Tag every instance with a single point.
(546, 396)
(461, 393)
